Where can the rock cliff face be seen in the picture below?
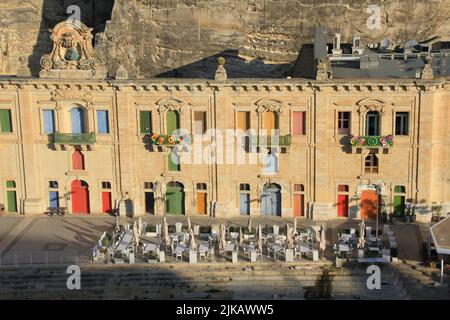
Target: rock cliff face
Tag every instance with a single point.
(260, 38)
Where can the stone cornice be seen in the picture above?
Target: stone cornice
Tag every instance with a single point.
(270, 86)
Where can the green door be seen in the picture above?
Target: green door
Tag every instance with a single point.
(174, 200)
(12, 202)
(172, 121)
(399, 206)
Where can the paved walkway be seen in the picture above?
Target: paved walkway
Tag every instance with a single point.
(75, 236)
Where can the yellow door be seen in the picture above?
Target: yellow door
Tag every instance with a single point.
(201, 203)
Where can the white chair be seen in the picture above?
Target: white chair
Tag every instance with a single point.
(297, 252)
(178, 227)
(203, 250)
(276, 229)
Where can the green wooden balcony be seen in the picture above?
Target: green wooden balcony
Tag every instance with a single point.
(372, 141)
(268, 141)
(73, 138)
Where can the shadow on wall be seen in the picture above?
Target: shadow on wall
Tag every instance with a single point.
(236, 67)
(94, 14)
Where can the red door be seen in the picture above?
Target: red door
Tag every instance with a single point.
(299, 206)
(342, 205)
(80, 197)
(106, 202)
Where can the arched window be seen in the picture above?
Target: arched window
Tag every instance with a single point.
(77, 160)
(343, 188)
(148, 185)
(371, 163)
(299, 188)
(106, 185)
(372, 123)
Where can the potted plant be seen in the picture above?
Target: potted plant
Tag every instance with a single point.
(436, 210)
(152, 257)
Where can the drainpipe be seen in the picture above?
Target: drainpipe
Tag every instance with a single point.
(118, 166)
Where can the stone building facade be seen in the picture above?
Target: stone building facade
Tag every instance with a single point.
(342, 147)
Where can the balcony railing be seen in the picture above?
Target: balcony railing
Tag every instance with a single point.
(271, 141)
(73, 138)
(372, 141)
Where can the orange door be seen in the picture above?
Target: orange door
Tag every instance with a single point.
(299, 206)
(106, 202)
(342, 205)
(80, 197)
(201, 203)
(369, 204)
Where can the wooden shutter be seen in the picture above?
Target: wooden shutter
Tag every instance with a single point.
(298, 122)
(172, 121)
(5, 120)
(243, 120)
(145, 121)
(200, 122)
(201, 203)
(270, 121)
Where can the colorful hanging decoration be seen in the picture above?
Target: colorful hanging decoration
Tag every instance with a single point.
(372, 141)
(171, 139)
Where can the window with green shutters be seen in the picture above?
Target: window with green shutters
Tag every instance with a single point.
(5, 120)
(145, 121)
(173, 121)
(11, 196)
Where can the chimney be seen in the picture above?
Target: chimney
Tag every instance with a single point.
(337, 44)
(320, 43)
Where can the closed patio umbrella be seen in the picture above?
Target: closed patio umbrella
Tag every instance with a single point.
(135, 233)
(259, 243)
(241, 236)
(192, 244)
(189, 223)
(289, 239)
(362, 235)
(222, 240)
(140, 226)
(322, 243)
(166, 233)
(295, 226)
(249, 226)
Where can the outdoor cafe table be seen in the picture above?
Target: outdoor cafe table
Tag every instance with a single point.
(230, 247)
(150, 247)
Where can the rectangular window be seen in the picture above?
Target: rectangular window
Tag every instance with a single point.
(243, 120)
(5, 120)
(298, 122)
(49, 121)
(103, 121)
(145, 121)
(199, 122)
(344, 122)
(401, 123)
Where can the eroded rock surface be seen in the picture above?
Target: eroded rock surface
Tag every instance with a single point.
(260, 38)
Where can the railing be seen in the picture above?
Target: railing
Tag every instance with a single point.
(282, 141)
(73, 138)
(372, 141)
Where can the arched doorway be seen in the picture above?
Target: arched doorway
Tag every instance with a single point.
(271, 200)
(175, 198)
(77, 117)
(80, 196)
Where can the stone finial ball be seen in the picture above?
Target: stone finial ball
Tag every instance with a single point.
(221, 61)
